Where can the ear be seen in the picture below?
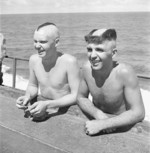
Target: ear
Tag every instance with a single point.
(56, 42)
(114, 53)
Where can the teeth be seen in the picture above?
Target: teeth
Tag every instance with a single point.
(95, 61)
(40, 51)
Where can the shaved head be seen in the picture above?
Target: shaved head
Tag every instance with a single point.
(98, 32)
(50, 28)
(98, 36)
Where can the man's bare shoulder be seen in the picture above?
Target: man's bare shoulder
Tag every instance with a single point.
(86, 66)
(34, 58)
(86, 70)
(68, 59)
(124, 69)
(126, 73)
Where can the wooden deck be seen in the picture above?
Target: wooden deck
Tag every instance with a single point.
(62, 133)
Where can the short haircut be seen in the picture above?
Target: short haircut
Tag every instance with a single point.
(109, 34)
(45, 24)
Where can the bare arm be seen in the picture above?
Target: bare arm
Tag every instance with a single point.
(135, 109)
(32, 88)
(73, 74)
(84, 102)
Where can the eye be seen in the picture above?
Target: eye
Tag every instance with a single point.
(89, 49)
(99, 50)
(35, 41)
(43, 42)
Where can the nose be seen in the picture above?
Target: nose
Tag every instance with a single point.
(93, 55)
(37, 45)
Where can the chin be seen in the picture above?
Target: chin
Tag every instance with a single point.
(97, 67)
(42, 55)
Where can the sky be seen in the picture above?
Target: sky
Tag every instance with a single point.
(71, 6)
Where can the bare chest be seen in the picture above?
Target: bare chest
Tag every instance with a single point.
(108, 95)
(55, 78)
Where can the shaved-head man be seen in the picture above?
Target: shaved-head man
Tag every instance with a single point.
(116, 98)
(55, 73)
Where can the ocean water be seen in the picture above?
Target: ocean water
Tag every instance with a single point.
(133, 36)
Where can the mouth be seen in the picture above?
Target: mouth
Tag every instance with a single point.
(94, 62)
(40, 52)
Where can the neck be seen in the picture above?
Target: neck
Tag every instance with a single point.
(104, 72)
(50, 57)
(49, 62)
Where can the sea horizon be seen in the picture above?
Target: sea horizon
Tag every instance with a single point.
(73, 12)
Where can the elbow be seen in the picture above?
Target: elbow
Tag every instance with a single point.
(140, 115)
(74, 99)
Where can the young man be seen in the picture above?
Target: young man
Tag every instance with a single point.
(56, 74)
(2, 54)
(113, 86)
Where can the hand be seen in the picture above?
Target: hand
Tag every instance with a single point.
(96, 126)
(102, 116)
(22, 102)
(38, 109)
(93, 127)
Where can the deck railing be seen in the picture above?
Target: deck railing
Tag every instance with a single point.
(23, 59)
(15, 59)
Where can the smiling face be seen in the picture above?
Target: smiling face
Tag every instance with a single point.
(45, 40)
(101, 46)
(100, 55)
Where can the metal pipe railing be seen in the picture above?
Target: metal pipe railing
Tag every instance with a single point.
(14, 72)
(14, 68)
(143, 77)
(22, 59)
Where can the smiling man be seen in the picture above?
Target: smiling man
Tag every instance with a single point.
(113, 86)
(56, 74)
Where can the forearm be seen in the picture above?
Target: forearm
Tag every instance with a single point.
(66, 100)
(127, 118)
(31, 91)
(88, 107)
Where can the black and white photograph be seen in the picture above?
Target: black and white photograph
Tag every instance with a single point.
(74, 76)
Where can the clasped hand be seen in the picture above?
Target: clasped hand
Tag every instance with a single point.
(95, 126)
(38, 109)
(22, 102)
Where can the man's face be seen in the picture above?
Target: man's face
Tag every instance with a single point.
(100, 55)
(43, 42)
